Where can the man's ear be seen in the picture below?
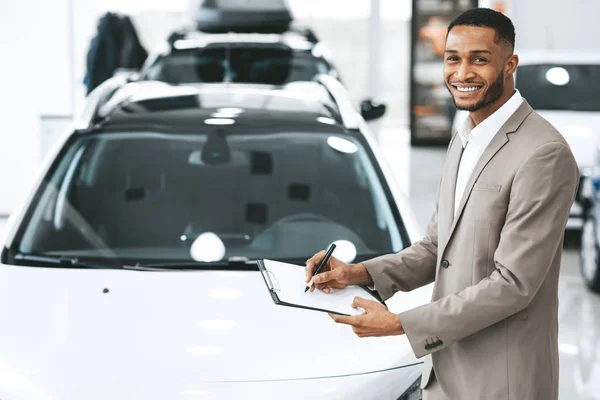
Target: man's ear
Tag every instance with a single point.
(511, 64)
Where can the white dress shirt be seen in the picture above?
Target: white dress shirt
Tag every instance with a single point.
(476, 139)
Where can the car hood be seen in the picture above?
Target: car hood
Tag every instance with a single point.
(580, 129)
(93, 327)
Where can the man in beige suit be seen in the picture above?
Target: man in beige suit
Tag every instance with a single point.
(493, 246)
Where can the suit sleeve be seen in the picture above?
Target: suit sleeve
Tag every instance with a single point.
(412, 268)
(541, 196)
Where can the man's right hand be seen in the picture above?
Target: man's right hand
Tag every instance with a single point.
(336, 274)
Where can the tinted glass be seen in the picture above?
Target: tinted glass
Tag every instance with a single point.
(155, 197)
(274, 66)
(560, 87)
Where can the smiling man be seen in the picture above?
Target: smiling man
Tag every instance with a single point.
(494, 243)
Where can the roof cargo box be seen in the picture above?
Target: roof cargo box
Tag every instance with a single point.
(262, 16)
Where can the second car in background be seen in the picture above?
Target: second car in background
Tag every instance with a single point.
(562, 88)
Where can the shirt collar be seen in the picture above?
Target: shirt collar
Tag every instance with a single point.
(486, 130)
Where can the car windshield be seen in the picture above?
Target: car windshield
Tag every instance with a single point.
(162, 197)
(275, 66)
(560, 87)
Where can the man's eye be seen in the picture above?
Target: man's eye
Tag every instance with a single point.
(480, 60)
(452, 58)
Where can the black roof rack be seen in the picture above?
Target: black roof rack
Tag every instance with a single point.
(222, 16)
(182, 34)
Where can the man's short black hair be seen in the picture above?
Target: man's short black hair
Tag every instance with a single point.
(486, 17)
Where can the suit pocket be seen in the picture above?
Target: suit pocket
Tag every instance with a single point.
(487, 187)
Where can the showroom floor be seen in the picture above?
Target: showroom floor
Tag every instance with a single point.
(418, 172)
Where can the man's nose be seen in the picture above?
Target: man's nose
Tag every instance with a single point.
(463, 72)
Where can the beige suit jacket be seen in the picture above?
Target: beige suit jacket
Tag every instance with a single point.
(492, 325)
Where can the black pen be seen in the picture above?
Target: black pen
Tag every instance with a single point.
(323, 263)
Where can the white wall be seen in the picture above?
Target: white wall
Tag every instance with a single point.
(34, 78)
(44, 45)
(560, 25)
(154, 20)
(553, 24)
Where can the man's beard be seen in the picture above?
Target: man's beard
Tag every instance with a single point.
(492, 94)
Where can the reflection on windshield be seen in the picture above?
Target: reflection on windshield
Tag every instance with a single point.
(207, 247)
(560, 87)
(148, 197)
(344, 251)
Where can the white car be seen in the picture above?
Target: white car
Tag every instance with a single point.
(562, 88)
(129, 272)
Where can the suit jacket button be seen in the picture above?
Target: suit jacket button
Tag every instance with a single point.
(445, 264)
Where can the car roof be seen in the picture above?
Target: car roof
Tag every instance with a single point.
(532, 57)
(297, 106)
(194, 39)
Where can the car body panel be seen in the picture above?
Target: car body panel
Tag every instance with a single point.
(71, 333)
(172, 329)
(581, 129)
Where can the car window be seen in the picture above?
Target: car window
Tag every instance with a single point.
(560, 87)
(274, 66)
(206, 197)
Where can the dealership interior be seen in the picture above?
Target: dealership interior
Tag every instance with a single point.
(163, 163)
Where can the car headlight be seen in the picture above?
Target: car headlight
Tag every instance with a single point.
(414, 392)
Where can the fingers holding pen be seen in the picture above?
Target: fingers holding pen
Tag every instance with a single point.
(312, 264)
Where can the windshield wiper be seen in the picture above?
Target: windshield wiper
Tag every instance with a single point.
(233, 263)
(69, 262)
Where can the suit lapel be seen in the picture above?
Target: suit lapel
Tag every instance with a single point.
(446, 206)
(499, 140)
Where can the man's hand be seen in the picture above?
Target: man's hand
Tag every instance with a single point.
(336, 274)
(377, 320)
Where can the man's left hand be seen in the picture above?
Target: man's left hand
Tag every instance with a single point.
(377, 320)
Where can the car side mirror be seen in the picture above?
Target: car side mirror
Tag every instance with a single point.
(371, 109)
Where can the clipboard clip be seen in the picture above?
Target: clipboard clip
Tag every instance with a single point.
(268, 275)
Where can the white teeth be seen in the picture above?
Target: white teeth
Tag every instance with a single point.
(468, 89)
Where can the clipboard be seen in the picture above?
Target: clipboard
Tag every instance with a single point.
(335, 306)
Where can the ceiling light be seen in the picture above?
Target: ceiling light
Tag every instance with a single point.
(342, 145)
(326, 120)
(344, 251)
(558, 76)
(207, 247)
(230, 110)
(222, 115)
(219, 121)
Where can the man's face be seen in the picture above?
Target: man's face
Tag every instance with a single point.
(474, 67)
